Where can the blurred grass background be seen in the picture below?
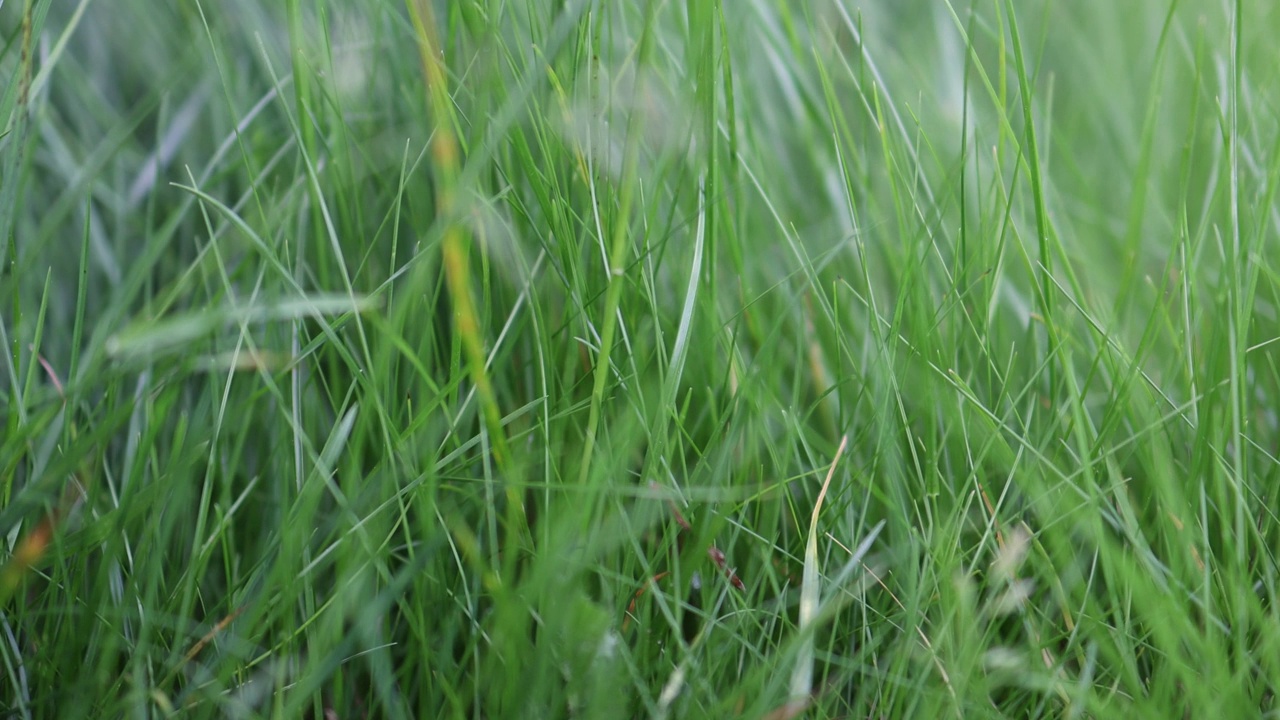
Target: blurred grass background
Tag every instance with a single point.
(370, 359)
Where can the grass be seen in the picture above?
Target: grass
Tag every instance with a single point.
(584, 359)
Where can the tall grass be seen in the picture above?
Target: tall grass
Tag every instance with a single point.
(585, 359)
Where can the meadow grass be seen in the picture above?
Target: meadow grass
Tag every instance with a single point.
(569, 358)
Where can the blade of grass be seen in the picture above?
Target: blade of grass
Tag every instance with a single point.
(810, 593)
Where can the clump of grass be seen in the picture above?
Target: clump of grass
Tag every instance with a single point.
(589, 359)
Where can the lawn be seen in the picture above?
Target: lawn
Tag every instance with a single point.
(583, 359)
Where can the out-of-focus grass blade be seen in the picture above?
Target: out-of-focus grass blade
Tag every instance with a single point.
(174, 333)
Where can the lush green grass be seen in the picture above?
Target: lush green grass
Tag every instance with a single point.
(365, 359)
